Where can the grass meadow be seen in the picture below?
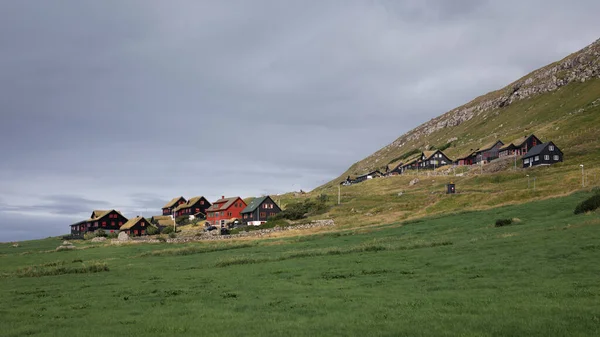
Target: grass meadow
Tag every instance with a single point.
(447, 275)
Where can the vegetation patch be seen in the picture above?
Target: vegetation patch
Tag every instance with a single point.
(194, 250)
(503, 222)
(59, 268)
(588, 205)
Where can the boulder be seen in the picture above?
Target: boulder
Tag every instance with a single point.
(98, 239)
(123, 236)
(66, 243)
(413, 182)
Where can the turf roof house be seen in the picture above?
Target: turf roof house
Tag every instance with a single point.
(543, 154)
(488, 152)
(468, 159)
(194, 208)
(171, 205)
(162, 221)
(225, 210)
(519, 146)
(259, 211)
(394, 169)
(136, 227)
(108, 220)
(433, 159)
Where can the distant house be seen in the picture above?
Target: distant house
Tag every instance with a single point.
(361, 178)
(193, 208)
(410, 164)
(225, 210)
(467, 159)
(519, 146)
(395, 169)
(433, 159)
(259, 211)
(162, 221)
(542, 154)
(108, 220)
(488, 152)
(171, 205)
(136, 226)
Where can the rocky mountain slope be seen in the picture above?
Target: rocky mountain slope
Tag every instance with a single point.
(495, 114)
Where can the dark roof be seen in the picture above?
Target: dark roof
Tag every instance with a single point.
(488, 146)
(253, 205)
(536, 150)
(173, 202)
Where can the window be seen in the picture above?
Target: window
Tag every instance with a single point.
(112, 231)
(526, 161)
(551, 148)
(222, 213)
(96, 224)
(112, 223)
(546, 157)
(103, 223)
(197, 210)
(135, 231)
(201, 202)
(143, 224)
(556, 157)
(263, 214)
(143, 232)
(229, 214)
(120, 223)
(537, 158)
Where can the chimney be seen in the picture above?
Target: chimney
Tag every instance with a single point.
(222, 197)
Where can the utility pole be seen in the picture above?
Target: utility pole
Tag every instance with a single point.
(528, 181)
(582, 177)
(515, 161)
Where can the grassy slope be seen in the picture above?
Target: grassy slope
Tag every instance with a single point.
(550, 116)
(452, 275)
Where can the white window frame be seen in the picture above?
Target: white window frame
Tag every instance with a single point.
(551, 148)
(536, 158)
(556, 157)
(546, 157)
(526, 161)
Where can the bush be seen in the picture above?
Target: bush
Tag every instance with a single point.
(182, 220)
(151, 230)
(588, 205)
(503, 222)
(168, 230)
(100, 232)
(113, 235)
(89, 235)
(172, 235)
(161, 238)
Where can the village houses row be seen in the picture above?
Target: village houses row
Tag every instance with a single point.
(530, 148)
(221, 213)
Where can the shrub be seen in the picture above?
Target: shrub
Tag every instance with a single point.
(100, 232)
(588, 205)
(172, 235)
(503, 222)
(161, 238)
(182, 220)
(168, 230)
(151, 230)
(89, 235)
(113, 235)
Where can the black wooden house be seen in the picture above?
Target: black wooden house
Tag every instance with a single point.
(433, 159)
(169, 208)
(259, 211)
(193, 208)
(543, 154)
(108, 220)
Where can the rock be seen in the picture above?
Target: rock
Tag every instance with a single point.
(59, 248)
(413, 182)
(123, 236)
(400, 194)
(98, 239)
(15, 245)
(66, 243)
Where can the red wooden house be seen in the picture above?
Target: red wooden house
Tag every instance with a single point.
(225, 210)
(171, 205)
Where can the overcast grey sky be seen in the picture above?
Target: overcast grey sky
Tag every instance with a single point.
(125, 104)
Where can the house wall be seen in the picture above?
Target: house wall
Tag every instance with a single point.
(138, 229)
(226, 214)
(262, 213)
(543, 160)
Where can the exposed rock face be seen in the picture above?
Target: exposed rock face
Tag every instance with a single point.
(579, 67)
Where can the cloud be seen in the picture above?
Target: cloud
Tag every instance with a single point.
(128, 104)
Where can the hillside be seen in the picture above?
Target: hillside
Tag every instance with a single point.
(557, 102)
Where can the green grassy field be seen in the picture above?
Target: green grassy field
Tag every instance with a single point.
(446, 275)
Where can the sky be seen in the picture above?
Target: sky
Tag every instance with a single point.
(126, 104)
